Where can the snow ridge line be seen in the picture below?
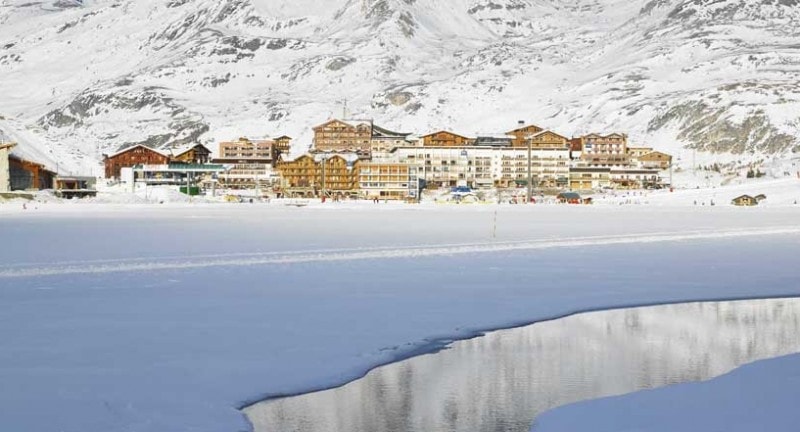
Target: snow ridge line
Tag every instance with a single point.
(245, 260)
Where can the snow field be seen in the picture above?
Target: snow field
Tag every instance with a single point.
(181, 347)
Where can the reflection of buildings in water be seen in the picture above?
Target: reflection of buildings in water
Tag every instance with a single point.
(503, 380)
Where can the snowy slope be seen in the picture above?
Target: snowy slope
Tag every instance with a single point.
(87, 77)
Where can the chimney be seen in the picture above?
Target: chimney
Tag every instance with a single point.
(521, 122)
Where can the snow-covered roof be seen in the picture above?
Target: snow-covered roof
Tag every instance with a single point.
(524, 126)
(446, 132)
(546, 131)
(177, 151)
(121, 151)
(379, 132)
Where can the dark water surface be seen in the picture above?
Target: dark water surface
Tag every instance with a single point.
(503, 380)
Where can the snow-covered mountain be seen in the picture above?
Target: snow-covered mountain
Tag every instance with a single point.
(82, 78)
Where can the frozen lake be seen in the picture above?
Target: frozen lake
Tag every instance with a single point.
(139, 318)
(503, 380)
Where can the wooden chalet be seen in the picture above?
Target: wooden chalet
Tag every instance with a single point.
(745, 201)
(548, 140)
(191, 154)
(132, 156)
(446, 139)
(282, 145)
(320, 175)
(760, 197)
(339, 135)
(655, 159)
(522, 133)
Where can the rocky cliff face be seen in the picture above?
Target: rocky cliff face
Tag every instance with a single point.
(81, 78)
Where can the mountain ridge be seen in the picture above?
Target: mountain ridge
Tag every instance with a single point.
(84, 78)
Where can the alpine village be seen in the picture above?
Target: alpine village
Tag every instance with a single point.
(357, 159)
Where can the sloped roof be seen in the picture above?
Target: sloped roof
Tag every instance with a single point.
(177, 151)
(351, 123)
(655, 153)
(446, 132)
(538, 134)
(522, 128)
(126, 149)
(383, 132)
(611, 135)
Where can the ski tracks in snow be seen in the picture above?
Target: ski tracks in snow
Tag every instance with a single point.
(332, 255)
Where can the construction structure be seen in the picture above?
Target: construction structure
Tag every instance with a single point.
(74, 186)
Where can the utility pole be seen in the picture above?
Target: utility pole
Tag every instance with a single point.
(344, 108)
(530, 174)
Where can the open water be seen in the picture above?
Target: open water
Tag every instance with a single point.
(501, 381)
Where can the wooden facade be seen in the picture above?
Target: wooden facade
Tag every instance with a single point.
(744, 201)
(337, 135)
(446, 139)
(28, 175)
(136, 155)
(197, 154)
(548, 140)
(311, 175)
(282, 145)
(655, 159)
(522, 134)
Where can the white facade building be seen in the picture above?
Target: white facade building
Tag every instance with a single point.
(484, 167)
